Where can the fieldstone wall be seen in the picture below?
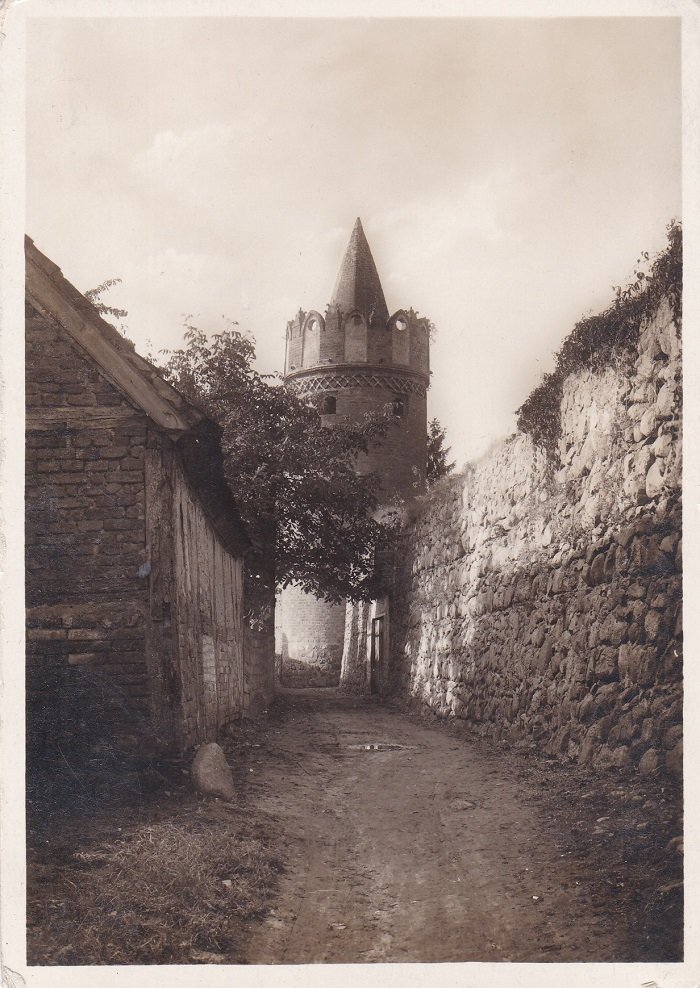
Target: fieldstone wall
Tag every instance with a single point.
(539, 598)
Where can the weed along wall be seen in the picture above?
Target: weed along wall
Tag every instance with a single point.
(538, 594)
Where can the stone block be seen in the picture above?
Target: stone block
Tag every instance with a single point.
(666, 401)
(211, 773)
(650, 762)
(621, 757)
(606, 697)
(656, 627)
(538, 636)
(648, 730)
(625, 727)
(585, 710)
(544, 655)
(624, 535)
(605, 663)
(590, 746)
(634, 633)
(668, 543)
(613, 631)
(654, 482)
(662, 445)
(604, 726)
(656, 561)
(678, 627)
(647, 423)
(673, 735)
(674, 760)
(644, 367)
(637, 664)
(597, 571)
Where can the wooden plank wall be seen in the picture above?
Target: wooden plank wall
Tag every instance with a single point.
(197, 651)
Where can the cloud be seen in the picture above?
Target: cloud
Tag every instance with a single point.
(169, 149)
(474, 210)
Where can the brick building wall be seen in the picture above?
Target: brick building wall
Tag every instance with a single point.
(134, 548)
(400, 456)
(85, 535)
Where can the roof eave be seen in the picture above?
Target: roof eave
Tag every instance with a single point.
(51, 293)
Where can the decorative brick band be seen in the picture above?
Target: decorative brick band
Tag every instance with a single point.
(320, 383)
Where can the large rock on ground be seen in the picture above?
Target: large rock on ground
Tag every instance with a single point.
(211, 773)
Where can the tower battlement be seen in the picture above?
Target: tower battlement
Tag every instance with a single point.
(355, 327)
(314, 341)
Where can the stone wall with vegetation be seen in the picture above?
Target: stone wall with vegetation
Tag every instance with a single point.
(538, 594)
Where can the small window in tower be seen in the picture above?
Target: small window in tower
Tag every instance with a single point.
(328, 405)
(398, 408)
(313, 324)
(357, 320)
(401, 324)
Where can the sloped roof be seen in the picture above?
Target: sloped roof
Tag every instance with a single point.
(197, 437)
(357, 285)
(132, 374)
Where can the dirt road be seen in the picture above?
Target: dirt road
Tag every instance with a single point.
(429, 849)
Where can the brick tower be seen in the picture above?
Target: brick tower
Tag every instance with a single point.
(356, 358)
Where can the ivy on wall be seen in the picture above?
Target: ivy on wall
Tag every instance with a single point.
(597, 341)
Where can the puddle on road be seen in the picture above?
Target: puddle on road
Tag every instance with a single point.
(380, 746)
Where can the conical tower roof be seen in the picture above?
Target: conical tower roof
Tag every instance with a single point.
(357, 285)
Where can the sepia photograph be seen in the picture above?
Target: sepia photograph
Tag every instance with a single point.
(352, 526)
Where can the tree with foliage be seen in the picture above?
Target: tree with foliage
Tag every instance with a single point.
(436, 464)
(307, 509)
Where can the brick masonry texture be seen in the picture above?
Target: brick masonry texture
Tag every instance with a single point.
(84, 535)
(309, 639)
(540, 601)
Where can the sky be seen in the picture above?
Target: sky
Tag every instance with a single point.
(508, 172)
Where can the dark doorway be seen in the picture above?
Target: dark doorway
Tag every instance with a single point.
(375, 653)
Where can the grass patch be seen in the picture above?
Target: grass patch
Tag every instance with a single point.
(174, 891)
